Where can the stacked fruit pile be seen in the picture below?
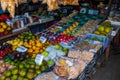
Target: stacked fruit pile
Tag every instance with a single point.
(32, 43)
(26, 70)
(70, 28)
(63, 38)
(4, 29)
(103, 29)
(4, 67)
(5, 49)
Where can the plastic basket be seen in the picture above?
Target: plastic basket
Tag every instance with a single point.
(104, 41)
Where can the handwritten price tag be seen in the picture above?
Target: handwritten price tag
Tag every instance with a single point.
(21, 49)
(43, 39)
(39, 58)
(69, 63)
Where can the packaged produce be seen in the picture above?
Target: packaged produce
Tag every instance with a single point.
(4, 67)
(86, 56)
(69, 68)
(47, 76)
(74, 53)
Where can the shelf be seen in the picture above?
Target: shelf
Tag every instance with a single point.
(14, 33)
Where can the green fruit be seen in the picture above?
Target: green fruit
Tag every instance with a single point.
(37, 67)
(8, 74)
(50, 62)
(30, 70)
(65, 50)
(7, 78)
(30, 75)
(15, 71)
(45, 53)
(32, 66)
(21, 66)
(97, 32)
(2, 78)
(38, 72)
(43, 68)
(27, 66)
(20, 78)
(23, 72)
(57, 47)
(25, 79)
(14, 77)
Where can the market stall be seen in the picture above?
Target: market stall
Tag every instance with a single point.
(43, 47)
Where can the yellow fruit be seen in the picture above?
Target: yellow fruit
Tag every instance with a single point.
(101, 28)
(97, 32)
(1, 30)
(4, 26)
(36, 51)
(107, 29)
(34, 47)
(30, 50)
(62, 62)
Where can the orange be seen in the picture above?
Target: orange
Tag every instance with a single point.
(36, 51)
(34, 47)
(30, 50)
(38, 44)
(1, 30)
(4, 26)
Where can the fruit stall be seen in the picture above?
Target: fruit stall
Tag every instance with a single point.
(67, 48)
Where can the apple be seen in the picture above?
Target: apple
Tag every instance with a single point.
(65, 50)
(14, 71)
(45, 53)
(50, 62)
(57, 47)
(21, 66)
(8, 74)
(23, 72)
(14, 77)
(38, 71)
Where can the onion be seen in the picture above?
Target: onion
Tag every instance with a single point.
(1, 61)
(2, 70)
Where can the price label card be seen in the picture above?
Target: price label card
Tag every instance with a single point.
(92, 50)
(43, 39)
(69, 63)
(113, 33)
(26, 14)
(21, 49)
(39, 58)
(90, 11)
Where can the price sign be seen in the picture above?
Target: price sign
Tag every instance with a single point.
(69, 63)
(43, 39)
(21, 49)
(39, 58)
(113, 33)
(90, 11)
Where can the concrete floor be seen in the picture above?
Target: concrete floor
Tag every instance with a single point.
(110, 70)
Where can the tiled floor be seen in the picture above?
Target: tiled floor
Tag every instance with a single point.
(111, 68)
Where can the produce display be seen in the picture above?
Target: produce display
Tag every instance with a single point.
(62, 51)
(114, 18)
(5, 49)
(4, 29)
(4, 67)
(103, 29)
(27, 70)
(31, 42)
(69, 68)
(87, 28)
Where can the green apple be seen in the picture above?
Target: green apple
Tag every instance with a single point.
(50, 62)
(45, 53)
(7, 78)
(38, 71)
(25, 79)
(20, 78)
(37, 67)
(30, 75)
(27, 66)
(8, 73)
(15, 71)
(32, 66)
(57, 47)
(23, 72)
(65, 50)
(21, 66)
(14, 77)
(2, 78)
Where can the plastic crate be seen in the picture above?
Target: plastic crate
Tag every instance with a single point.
(104, 41)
